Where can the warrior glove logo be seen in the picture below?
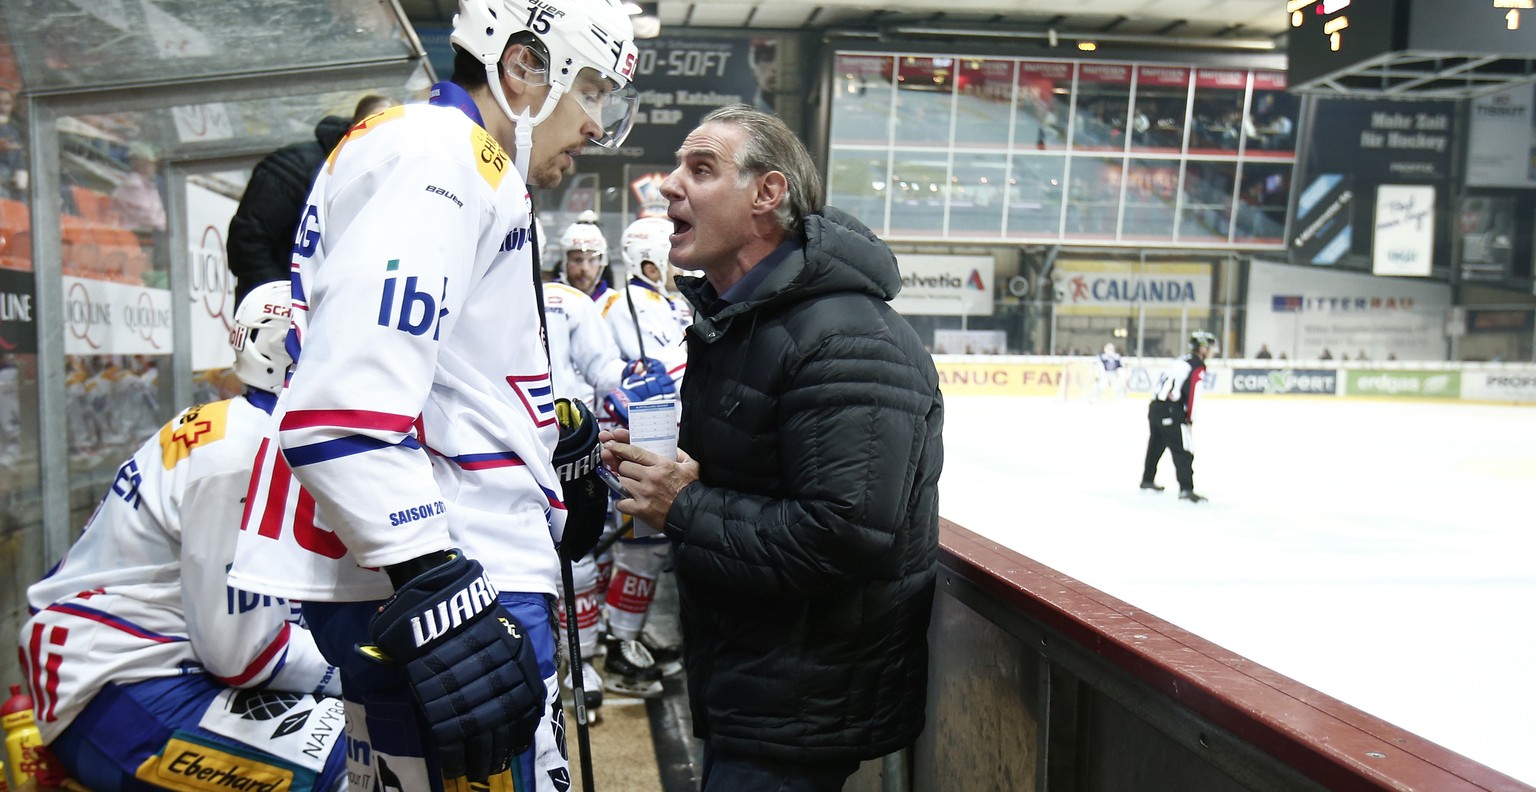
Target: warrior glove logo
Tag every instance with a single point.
(453, 612)
(575, 469)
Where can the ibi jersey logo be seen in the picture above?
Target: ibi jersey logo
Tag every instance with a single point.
(415, 312)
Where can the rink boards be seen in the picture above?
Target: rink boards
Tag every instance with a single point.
(1376, 550)
(1078, 378)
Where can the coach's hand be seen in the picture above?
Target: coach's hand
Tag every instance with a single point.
(472, 670)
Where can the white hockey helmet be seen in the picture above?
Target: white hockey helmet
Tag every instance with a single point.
(578, 34)
(260, 336)
(585, 237)
(646, 240)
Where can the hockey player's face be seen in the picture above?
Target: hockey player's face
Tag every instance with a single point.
(710, 207)
(582, 269)
(563, 135)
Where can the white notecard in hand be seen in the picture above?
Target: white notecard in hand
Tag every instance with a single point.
(653, 427)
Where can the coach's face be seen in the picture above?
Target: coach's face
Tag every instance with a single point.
(710, 200)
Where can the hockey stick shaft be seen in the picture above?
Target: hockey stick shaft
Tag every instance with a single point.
(578, 685)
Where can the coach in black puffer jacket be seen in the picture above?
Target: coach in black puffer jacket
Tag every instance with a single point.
(261, 233)
(806, 551)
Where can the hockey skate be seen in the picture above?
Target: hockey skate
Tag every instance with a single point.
(1190, 496)
(630, 669)
(1147, 485)
(668, 657)
(591, 684)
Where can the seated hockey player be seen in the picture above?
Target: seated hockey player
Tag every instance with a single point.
(146, 670)
(583, 262)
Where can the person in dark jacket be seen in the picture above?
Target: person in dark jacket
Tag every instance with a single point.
(803, 502)
(260, 246)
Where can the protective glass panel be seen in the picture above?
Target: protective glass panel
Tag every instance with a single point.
(1219, 122)
(919, 181)
(106, 42)
(1274, 115)
(861, 99)
(1162, 102)
(1093, 202)
(1103, 102)
(1044, 104)
(1035, 188)
(1207, 212)
(266, 123)
(976, 195)
(21, 528)
(118, 332)
(985, 100)
(857, 184)
(924, 99)
(1151, 189)
(1261, 202)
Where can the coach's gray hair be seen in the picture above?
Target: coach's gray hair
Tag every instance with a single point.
(770, 146)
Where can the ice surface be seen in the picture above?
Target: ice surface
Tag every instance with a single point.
(1381, 552)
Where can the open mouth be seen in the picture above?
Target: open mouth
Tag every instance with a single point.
(679, 226)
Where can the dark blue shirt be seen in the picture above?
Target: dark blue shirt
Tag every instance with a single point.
(742, 289)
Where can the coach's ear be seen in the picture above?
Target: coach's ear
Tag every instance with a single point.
(772, 190)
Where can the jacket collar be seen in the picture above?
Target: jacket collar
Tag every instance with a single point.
(837, 253)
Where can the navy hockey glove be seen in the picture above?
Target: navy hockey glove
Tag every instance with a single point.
(649, 379)
(576, 464)
(472, 671)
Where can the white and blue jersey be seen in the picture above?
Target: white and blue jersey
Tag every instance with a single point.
(643, 319)
(142, 594)
(583, 358)
(419, 412)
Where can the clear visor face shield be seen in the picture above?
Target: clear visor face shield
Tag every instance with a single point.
(610, 106)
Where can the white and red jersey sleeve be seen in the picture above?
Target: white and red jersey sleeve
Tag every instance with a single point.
(419, 412)
(653, 326)
(583, 357)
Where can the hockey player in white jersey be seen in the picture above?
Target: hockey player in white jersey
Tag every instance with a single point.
(584, 361)
(647, 325)
(410, 495)
(145, 668)
(583, 261)
(644, 320)
(1107, 374)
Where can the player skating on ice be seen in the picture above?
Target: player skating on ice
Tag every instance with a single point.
(1171, 415)
(1107, 374)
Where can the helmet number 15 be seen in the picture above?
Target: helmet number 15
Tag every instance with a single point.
(538, 19)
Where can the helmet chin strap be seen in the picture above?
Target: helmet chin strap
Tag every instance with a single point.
(523, 135)
(523, 122)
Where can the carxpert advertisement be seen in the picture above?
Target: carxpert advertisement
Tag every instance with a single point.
(1375, 174)
(1286, 381)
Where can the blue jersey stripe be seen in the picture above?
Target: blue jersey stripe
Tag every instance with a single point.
(338, 448)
